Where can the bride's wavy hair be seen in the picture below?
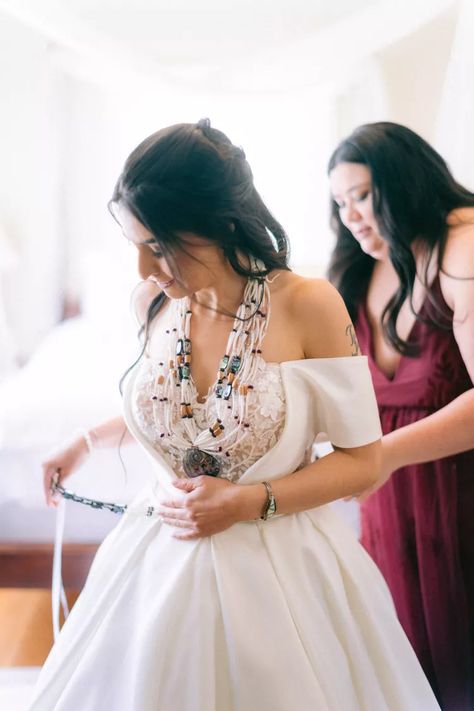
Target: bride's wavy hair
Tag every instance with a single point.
(190, 178)
(413, 192)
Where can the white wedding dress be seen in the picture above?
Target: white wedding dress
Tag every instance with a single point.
(288, 614)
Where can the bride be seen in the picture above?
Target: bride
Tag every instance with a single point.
(229, 584)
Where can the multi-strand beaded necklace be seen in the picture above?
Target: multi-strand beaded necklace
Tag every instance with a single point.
(227, 403)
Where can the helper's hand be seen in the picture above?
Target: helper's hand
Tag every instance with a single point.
(383, 478)
(390, 463)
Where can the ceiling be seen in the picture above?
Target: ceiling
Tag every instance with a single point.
(237, 44)
(180, 32)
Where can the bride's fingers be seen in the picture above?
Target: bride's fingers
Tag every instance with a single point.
(191, 536)
(184, 484)
(173, 514)
(51, 476)
(185, 527)
(179, 523)
(173, 503)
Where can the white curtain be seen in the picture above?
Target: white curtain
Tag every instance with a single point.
(8, 260)
(455, 126)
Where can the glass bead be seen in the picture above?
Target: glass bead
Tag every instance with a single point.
(235, 364)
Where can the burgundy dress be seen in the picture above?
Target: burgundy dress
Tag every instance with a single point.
(419, 527)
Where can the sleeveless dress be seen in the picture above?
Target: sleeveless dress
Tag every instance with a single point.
(419, 528)
(289, 614)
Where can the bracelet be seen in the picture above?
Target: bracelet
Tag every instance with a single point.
(270, 507)
(88, 440)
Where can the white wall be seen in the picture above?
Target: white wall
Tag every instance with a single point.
(286, 137)
(29, 209)
(66, 130)
(414, 71)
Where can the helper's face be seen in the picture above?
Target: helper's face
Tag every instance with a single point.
(152, 264)
(351, 190)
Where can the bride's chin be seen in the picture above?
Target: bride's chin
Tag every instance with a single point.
(176, 291)
(170, 287)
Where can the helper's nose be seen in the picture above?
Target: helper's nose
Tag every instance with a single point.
(353, 214)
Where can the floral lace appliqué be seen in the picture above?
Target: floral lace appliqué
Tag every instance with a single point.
(266, 417)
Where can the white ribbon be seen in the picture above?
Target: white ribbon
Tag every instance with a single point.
(58, 595)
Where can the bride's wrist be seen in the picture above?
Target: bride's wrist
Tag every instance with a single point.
(88, 440)
(250, 501)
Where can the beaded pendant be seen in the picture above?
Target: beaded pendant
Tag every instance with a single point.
(196, 462)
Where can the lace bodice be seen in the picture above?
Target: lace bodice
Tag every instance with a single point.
(266, 417)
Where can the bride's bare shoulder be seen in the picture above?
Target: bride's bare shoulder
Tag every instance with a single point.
(318, 311)
(303, 293)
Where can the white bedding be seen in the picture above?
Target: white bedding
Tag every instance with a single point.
(70, 382)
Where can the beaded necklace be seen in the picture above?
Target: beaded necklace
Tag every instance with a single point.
(227, 403)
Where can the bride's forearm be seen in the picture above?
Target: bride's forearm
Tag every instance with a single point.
(345, 472)
(111, 433)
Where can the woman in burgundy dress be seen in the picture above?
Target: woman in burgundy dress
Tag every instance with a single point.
(404, 263)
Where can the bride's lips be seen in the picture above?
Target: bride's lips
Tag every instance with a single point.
(165, 284)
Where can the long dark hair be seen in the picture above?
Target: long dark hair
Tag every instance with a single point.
(413, 192)
(190, 178)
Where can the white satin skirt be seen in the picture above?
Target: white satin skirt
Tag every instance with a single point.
(290, 614)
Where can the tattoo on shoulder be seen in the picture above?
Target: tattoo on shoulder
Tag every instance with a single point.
(351, 334)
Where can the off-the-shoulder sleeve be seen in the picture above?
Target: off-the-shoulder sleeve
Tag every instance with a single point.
(342, 398)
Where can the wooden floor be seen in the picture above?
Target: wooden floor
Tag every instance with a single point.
(26, 630)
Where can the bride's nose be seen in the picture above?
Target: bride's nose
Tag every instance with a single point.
(147, 264)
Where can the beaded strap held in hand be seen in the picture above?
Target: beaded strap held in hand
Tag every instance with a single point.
(93, 503)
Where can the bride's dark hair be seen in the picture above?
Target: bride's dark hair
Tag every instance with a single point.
(190, 178)
(413, 193)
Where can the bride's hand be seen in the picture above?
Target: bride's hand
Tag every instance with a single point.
(61, 464)
(207, 505)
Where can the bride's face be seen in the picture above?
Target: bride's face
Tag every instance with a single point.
(196, 265)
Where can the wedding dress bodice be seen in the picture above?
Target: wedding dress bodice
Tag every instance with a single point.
(266, 417)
